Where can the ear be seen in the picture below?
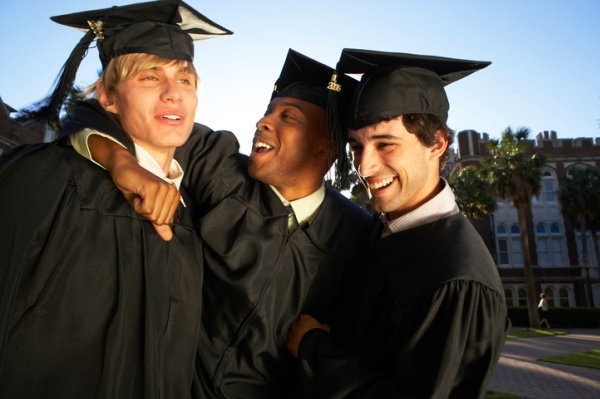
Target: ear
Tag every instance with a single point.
(440, 145)
(105, 99)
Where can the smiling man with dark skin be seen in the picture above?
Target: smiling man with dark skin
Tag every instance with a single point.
(425, 315)
(276, 241)
(289, 148)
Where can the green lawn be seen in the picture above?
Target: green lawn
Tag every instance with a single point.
(589, 359)
(498, 395)
(523, 332)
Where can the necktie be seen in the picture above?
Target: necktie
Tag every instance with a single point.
(292, 221)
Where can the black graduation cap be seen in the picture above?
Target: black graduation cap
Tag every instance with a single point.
(399, 83)
(166, 28)
(309, 80)
(163, 28)
(312, 81)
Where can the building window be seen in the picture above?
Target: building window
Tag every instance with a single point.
(590, 248)
(564, 296)
(549, 188)
(508, 294)
(522, 296)
(509, 245)
(559, 297)
(549, 245)
(549, 291)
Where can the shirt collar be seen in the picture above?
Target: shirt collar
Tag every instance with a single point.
(439, 207)
(147, 161)
(305, 208)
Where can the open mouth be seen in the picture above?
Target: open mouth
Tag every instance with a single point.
(172, 117)
(260, 147)
(380, 184)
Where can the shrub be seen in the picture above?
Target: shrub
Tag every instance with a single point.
(559, 317)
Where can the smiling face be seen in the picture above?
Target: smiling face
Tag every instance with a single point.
(289, 148)
(156, 106)
(400, 172)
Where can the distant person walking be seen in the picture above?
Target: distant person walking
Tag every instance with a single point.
(543, 307)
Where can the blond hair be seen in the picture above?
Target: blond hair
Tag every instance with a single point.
(123, 66)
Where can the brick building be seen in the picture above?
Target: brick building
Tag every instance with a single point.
(559, 267)
(13, 133)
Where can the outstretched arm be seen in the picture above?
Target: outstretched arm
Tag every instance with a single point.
(150, 196)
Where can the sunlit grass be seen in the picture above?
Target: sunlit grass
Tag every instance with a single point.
(499, 395)
(523, 332)
(589, 359)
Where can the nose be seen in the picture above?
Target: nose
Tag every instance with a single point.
(264, 123)
(171, 91)
(366, 163)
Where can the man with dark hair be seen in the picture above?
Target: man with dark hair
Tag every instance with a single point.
(425, 315)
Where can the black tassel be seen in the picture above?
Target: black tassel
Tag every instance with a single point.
(48, 109)
(337, 133)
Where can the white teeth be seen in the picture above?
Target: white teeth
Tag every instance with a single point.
(260, 144)
(383, 183)
(172, 117)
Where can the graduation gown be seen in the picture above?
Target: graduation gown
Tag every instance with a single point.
(258, 278)
(425, 317)
(93, 303)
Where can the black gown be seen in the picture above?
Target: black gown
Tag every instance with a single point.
(425, 317)
(93, 304)
(258, 278)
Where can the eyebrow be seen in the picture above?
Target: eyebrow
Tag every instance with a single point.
(286, 104)
(294, 105)
(182, 68)
(376, 136)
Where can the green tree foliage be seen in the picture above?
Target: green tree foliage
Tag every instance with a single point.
(514, 173)
(579, 196)
(472, 193)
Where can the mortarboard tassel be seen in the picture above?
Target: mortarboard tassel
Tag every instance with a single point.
(337, 133)
(48, 109)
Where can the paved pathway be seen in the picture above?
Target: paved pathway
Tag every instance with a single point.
(519, 373)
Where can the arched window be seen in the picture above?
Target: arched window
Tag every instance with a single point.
(591, 256)
(564, 295)
(561, 296)
(522, 296)
(509, 295)
(549, 189)
(509, 245)
(550, 296)
(549, 245)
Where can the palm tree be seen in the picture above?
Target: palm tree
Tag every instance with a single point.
(515, 174)
(472, 193)
(579, 196)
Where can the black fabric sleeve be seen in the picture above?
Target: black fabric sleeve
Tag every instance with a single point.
(444, 348)
(26, 217)
(213, 166)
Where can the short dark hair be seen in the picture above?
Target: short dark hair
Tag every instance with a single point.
(424, 126)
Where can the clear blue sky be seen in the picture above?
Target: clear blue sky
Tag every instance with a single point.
(545, 54)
